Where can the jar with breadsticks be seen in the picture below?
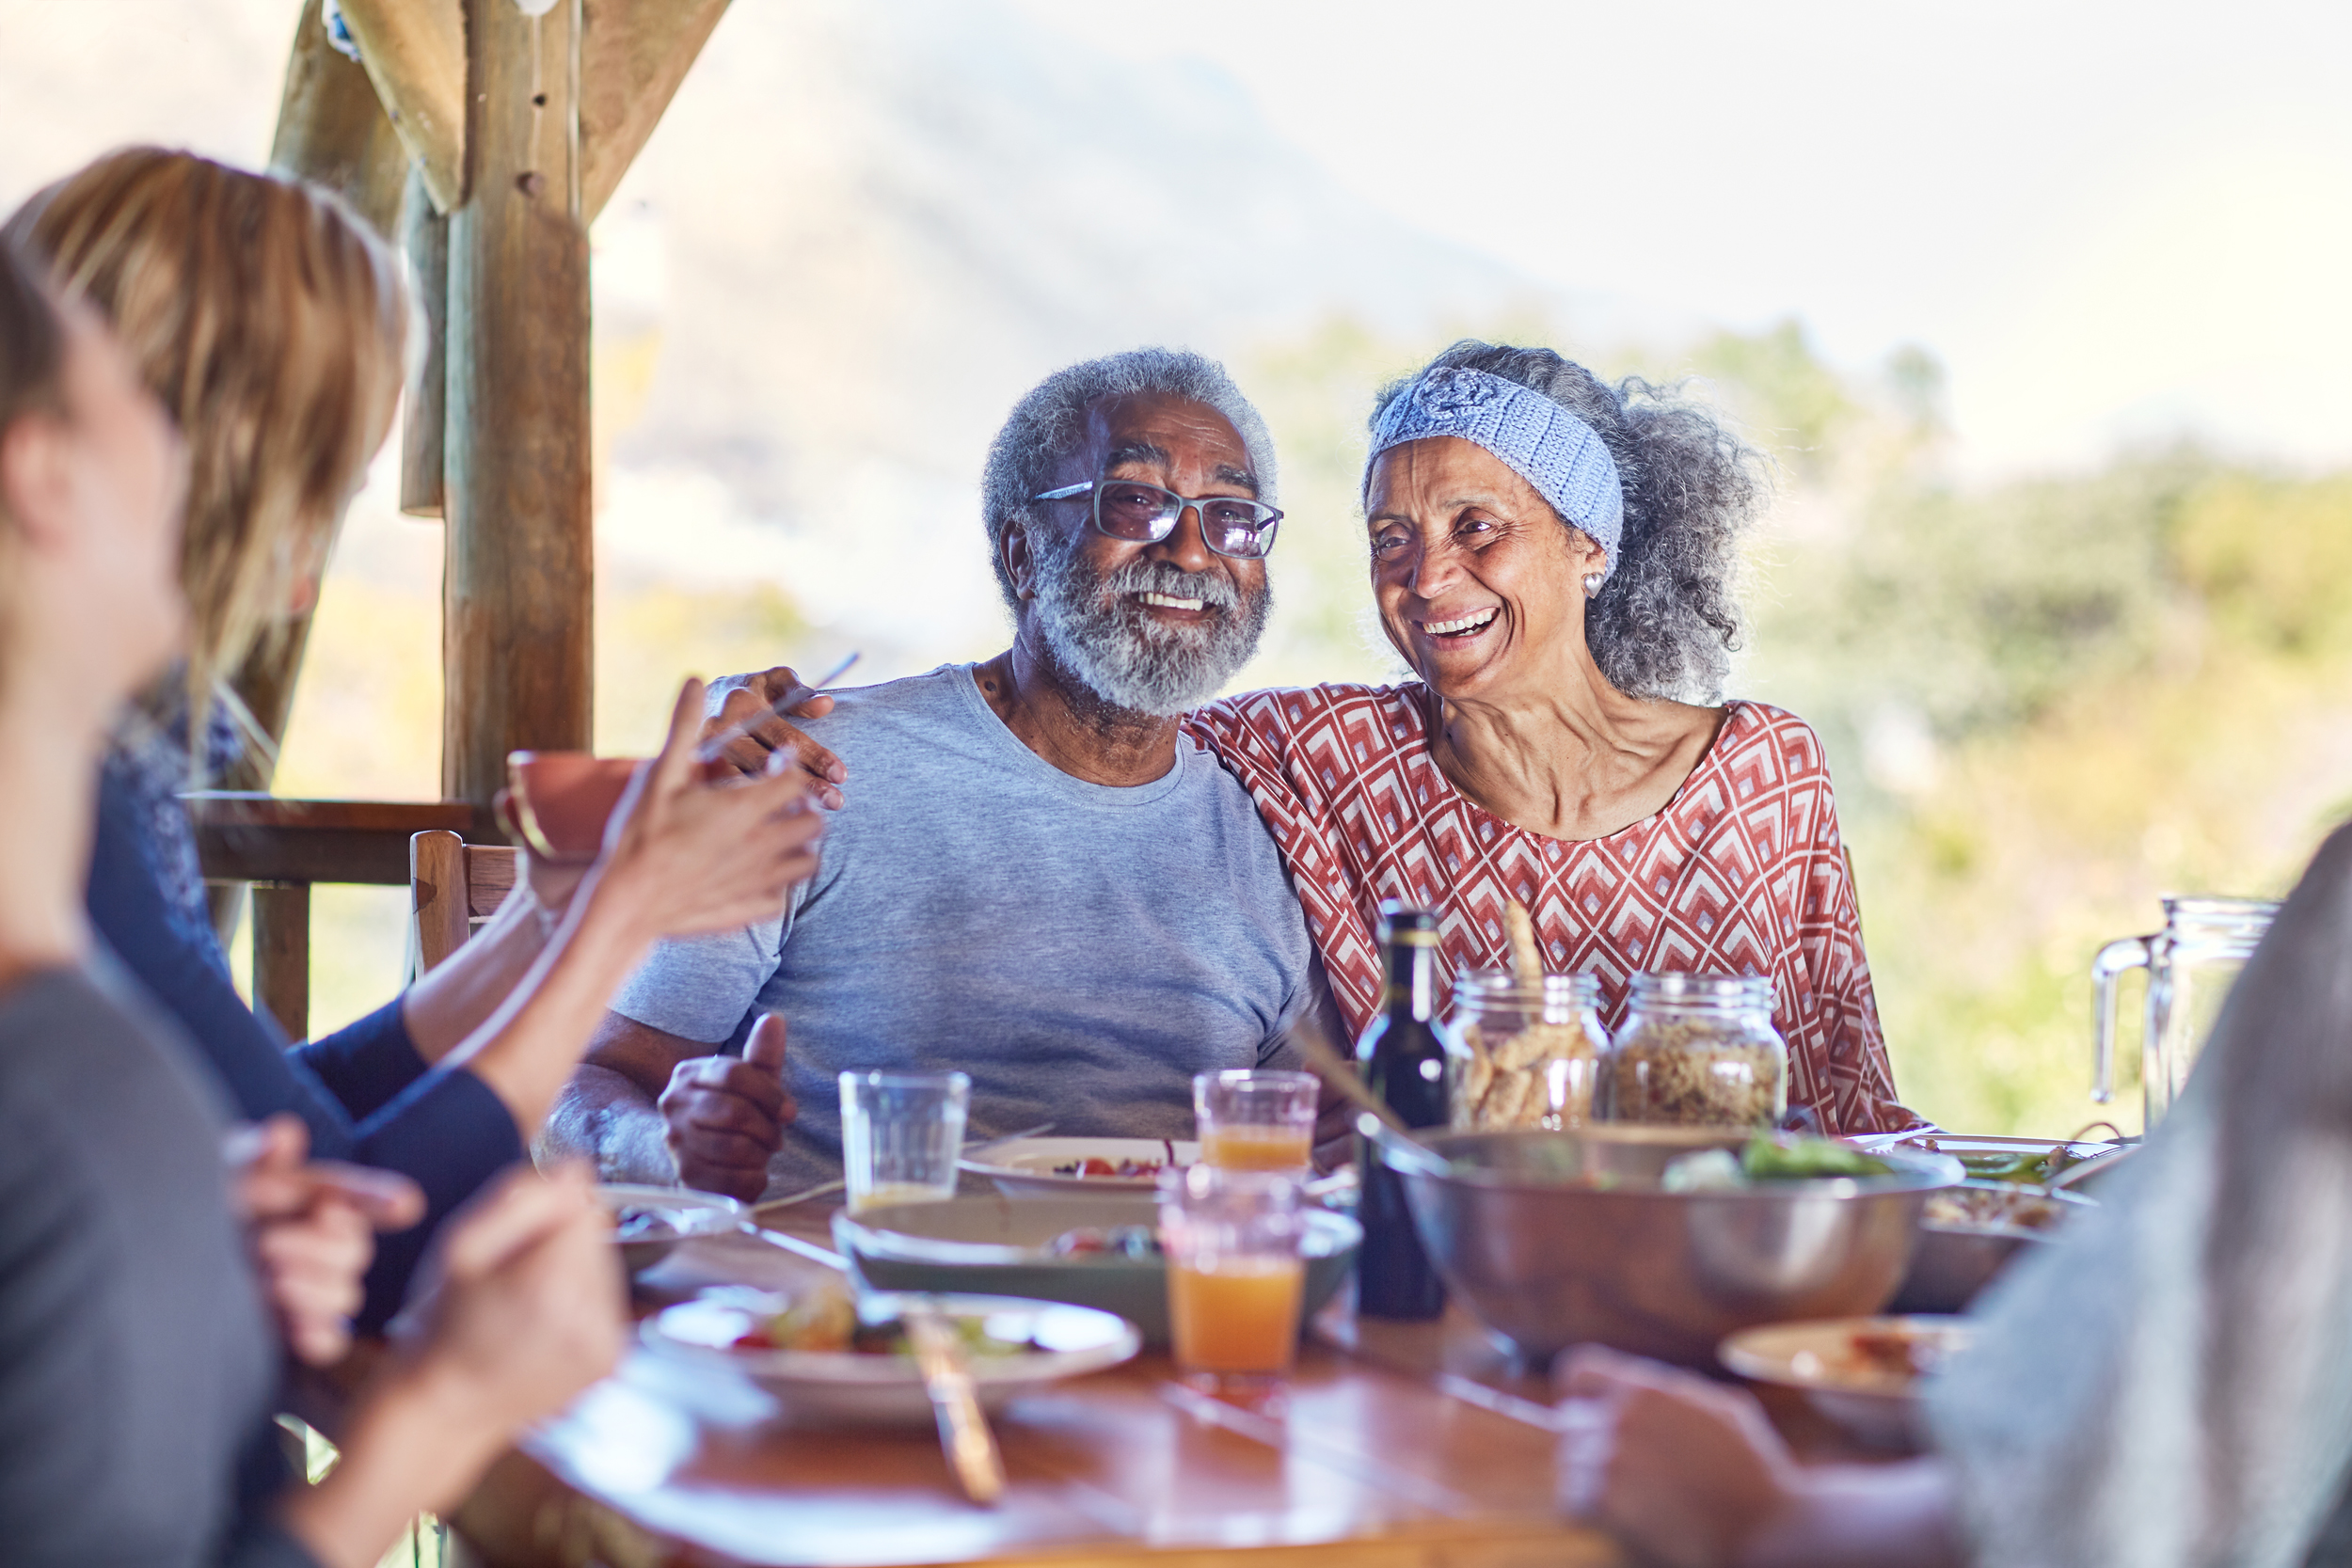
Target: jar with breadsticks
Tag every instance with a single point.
(1699, 1051)
(1530, 1055)
(1530, 1051)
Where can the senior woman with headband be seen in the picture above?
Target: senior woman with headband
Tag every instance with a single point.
(1554, 558)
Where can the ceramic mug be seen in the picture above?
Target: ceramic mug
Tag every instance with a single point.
(561, 801)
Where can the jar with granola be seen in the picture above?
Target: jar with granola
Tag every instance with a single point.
(1528, 1056)
(1700, 1050)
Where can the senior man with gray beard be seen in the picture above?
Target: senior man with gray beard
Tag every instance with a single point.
(1034, 880)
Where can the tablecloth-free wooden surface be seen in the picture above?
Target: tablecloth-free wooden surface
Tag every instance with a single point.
(1397, 1445)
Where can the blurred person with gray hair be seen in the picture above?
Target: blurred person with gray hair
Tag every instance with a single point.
(2167, 1385)
(1039, 880)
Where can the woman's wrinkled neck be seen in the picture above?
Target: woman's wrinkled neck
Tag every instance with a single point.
(51, 738)
(1559, 751)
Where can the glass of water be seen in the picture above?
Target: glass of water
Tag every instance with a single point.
(901, 1135)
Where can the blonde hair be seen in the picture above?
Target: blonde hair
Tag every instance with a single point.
(32, 381)
(272, 324)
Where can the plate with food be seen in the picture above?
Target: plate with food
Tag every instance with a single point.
(2023, 1161)
(1093, 1248)
(830, 1355)
(1863, 1373)
(1052, 1167)
(1968, 1235)
(648, 1221)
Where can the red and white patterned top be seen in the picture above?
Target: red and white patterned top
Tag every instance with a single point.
(1742, 873)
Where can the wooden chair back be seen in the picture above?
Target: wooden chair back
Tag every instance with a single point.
(454, 887)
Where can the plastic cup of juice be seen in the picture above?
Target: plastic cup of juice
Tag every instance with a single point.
(901, 1134)
(1256, 1120)
(1235, 1277)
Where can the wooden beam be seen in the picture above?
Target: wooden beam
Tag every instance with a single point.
(333, 130)
(633, 55)
(425, 407)
(517, 615)
(415, 54)
(246, 837)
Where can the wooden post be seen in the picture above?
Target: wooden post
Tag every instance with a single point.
(516, 625)
(424, 409)
(281, 954)
(331, 131)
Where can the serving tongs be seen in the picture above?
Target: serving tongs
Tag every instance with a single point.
(963, 1432)
(1398, 1148)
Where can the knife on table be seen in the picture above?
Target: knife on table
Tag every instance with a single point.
(963, 1432)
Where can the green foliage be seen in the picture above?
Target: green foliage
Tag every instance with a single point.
(1798, 405)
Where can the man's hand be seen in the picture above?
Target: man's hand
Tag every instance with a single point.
(749, 702)
(311, 1228)
(685, 854)
(726, 1116)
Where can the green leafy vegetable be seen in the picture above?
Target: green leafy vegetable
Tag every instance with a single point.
(1807, 1160)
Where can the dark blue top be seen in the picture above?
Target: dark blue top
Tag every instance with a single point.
(365, 1093)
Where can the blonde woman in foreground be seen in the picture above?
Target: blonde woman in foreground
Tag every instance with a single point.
(270, 324)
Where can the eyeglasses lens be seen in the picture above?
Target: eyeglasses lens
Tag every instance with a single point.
(1136, 510)
(1231, 526)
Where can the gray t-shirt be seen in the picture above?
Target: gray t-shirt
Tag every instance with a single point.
(1080, 950)
(136, 1365)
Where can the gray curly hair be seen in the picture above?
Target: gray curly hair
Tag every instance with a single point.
(1046, 423)
(1668, 620)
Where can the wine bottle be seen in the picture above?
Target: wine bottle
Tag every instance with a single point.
(1403, 1062)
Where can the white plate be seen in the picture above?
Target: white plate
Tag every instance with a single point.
(687, 1212)
(1876, 1405)
(1959, 1143)
(1032, 1167)
(846, 1386)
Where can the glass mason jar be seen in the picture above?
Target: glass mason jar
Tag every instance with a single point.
(1527, 1055)
(1700, 1050)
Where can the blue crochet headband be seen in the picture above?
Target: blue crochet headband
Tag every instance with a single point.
(1561, 455)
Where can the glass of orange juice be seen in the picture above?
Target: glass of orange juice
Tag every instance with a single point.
(1256, 1120)
(1235, 1275)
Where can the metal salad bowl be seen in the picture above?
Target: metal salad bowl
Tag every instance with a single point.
(1552, 1238)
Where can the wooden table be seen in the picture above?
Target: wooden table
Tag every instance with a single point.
(1402, 1445)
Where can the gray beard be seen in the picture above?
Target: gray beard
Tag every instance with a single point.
(1127, 658)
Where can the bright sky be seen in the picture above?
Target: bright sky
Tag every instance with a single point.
(2111, 221)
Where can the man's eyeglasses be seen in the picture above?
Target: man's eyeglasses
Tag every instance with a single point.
(1128, 508)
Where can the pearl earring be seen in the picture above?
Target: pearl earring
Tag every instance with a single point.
(1592, 585)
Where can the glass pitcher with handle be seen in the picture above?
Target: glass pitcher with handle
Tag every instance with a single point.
(2191, 964)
